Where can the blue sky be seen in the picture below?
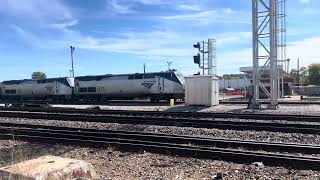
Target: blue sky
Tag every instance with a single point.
(118, 36)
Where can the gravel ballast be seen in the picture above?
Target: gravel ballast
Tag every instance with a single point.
(202, 132)
(230, 108)
(113, 164)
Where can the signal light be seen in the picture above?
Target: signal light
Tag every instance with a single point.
(196, 59)
(197, 46)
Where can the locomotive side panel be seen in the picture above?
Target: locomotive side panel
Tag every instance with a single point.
(162, 85)
(36, 89)
(111, 87)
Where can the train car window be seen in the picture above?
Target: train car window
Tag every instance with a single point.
(149, 76)
(29, 82)
(42, 81)
(92, 89)
(10, 91)
(83, 90)
(139, 76)
(50, 80)
(118, 78)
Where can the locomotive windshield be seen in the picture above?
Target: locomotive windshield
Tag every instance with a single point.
(180, 77)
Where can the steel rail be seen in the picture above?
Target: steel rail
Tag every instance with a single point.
(280, 102)
(254, 116)
(137, 102)
(110, 102)
(180, 139)
(181, 145)
(166, 121)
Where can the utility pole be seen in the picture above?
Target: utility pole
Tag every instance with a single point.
(298, 76)
(288, 65)
(203, 59)
(72, 48)
(144, 68)
(169, 64)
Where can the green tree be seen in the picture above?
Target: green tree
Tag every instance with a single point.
(303, 76)
(314, 74)
(232, 76)
(288, 78)
(294, 75)
(38, 75)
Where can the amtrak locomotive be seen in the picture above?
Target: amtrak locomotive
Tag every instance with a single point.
(52, 88)
(155, 86)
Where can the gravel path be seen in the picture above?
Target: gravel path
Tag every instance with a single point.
(113, 164)
(9, 143)
(283, 109)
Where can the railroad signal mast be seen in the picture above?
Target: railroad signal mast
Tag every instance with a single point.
(206, 57)
(268, 45)
(72, 48)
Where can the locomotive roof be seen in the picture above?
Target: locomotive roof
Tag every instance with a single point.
(166, 75)
(47, 80)
(16, 81)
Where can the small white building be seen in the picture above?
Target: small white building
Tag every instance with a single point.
(202, 90)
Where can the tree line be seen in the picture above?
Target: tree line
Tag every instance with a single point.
(309, 75)
(38, 75)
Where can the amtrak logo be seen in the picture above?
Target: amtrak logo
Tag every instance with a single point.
(49, 88)
(147, 84)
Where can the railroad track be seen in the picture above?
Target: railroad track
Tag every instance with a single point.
(171, 121)
(280, 102)
(251, 116)
(142, 102)
(110, 102)
(221, 149)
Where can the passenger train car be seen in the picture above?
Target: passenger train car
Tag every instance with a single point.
(52, 88)
(155, 86)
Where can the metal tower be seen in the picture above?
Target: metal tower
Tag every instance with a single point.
(267, 28)
(207, 58)
(282, 41)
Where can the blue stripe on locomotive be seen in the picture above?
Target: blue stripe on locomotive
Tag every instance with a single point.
(167, 75)
(49, 80)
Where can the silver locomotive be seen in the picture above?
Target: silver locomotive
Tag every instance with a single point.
(156, 86)
(51, 88)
